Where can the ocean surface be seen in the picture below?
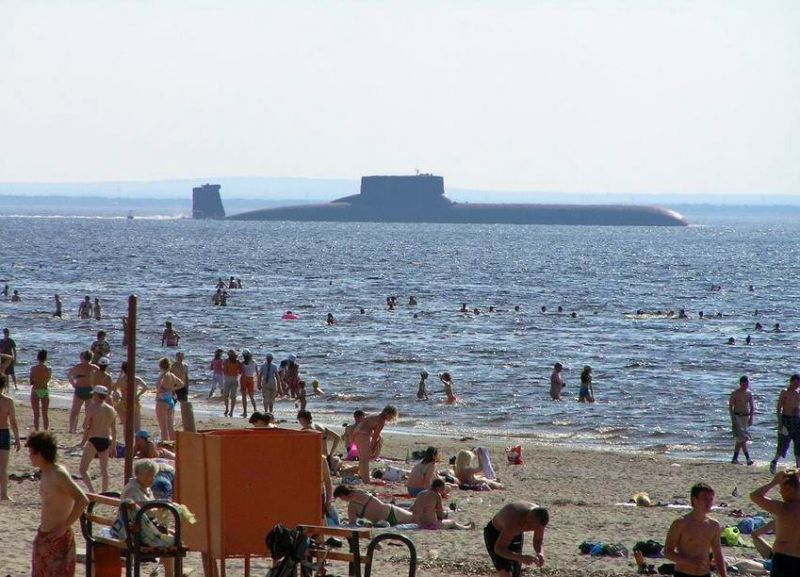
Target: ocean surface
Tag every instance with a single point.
(661, 384)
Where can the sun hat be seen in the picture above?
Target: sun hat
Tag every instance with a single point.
(103, 361)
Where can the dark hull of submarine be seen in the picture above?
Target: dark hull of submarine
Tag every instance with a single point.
(421, 199)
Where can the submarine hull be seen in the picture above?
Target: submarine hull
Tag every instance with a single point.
(420, 198)
(553, 214)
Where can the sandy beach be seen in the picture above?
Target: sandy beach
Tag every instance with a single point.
(584, 491)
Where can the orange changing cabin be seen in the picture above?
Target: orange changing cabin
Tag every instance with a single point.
(239, 483)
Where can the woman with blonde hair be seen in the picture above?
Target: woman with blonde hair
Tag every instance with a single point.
(471, 478)
(367, 438)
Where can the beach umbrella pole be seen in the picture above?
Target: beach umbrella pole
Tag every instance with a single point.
(130, 392)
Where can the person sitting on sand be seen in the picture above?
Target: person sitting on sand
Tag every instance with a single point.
(447, 383)
(363, 505)
(262, 420)
(306, 424)
(428, 511)
(786, 512)
(556, 382)
(504, 533)
(367, 435)
(586, 394)
(8, 425)
(423, 473)
(145, 448)
(422, 394)
(471, 478)
(691, 537)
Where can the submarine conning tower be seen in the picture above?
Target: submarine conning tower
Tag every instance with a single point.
(206, 202)
(414, 190)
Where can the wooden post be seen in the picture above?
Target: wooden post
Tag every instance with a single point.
(130, 393)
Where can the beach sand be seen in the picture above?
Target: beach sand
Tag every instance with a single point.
(581, 488)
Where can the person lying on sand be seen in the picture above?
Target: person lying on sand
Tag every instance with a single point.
(363, 505)
(428, 511)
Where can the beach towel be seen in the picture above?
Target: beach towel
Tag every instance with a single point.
(488, 470)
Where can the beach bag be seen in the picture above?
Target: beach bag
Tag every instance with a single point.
(280, 541)
(649, 548)
(730, 536)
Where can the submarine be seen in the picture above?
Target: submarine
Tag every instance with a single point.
(420, 198)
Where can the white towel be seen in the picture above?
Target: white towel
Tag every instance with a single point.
(488, 470)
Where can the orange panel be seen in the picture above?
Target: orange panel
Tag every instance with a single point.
(245, 481)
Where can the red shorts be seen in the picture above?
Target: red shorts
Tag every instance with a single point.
(248, 385)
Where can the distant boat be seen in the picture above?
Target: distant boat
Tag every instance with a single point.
(130, 215)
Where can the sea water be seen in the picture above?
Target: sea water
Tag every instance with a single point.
(661, 383)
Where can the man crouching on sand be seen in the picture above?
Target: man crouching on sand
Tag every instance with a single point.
(503, 537)
(691, 537)
(786, 512)
(62, 505)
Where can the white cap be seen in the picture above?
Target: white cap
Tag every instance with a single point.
(100, 390)
(103, 361)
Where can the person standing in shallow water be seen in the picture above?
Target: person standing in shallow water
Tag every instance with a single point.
(587, 392)
(40, 375)
(741, 408)
(556, 382)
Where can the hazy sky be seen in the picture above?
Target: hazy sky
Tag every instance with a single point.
(625, 96)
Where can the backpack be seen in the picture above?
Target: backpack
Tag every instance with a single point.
(280, 541)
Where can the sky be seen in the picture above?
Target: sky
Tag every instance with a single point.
(634, 97)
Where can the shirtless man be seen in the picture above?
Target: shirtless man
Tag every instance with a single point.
(367, 437)
(181, 370)
(40, 375)
(503, 537)
(100, 430)
(556, 382)
(121, 396)
(170, 336)
(62, 505)
(101, 377)
(8, 346)
(7, 417)
(692, 536)
(85, 308)
(428, 510)
(788, 413)
(80, 377)
(57, 312)
(741, 408)
(786, 513)
(306, 424)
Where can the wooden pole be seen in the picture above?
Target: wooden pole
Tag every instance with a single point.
(130, 393)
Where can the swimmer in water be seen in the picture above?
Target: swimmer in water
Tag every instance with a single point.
(516, 308)
(776, 328)
(759, 327)
(57, 312)
(463, 308)
(544, 309)
(422, 394)
(749, 340)
(476, 311)
(556, 382)
(412, 301)
(362, 311)
(315, 388)
(329, 320)
(586, 394)
(731, 341)
(447, 382)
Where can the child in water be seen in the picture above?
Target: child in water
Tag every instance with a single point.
(422, 394)
(447, 382)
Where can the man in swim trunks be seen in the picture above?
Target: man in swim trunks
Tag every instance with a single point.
(786, 513)
(170, 337)
(7, 417)
(788, 413)
(504, 533)
(741, 408)
(181, 370)
(85, 308)
(40, 393)
(81, 378)
(99, 437)
(101, 377)
(8, 346)
(691, 537)
(62, 505)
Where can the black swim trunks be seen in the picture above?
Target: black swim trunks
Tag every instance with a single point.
(785, 565)
(682, 574)
(83, 393)
(182, 394)
(490, 537)
(5, 440)
(100, 443)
